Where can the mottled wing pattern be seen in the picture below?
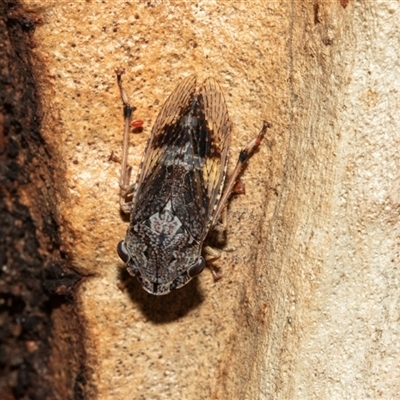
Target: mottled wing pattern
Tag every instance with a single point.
(185, 161)
(218, 128)
(200, 163)
(160, 138)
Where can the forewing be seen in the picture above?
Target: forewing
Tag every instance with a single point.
(205, 132)
(186, 157)
(165, 125)
(218, 126)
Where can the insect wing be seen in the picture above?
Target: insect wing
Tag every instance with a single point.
(153, 184)
(217, 127)
(185, 161)
(170, 113)
(199, 155)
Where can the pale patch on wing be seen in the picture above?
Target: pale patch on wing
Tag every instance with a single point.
(211, 169)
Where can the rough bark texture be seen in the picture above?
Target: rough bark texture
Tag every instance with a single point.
(36, 290)
(308, 305)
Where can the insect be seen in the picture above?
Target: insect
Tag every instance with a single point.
(180, 191)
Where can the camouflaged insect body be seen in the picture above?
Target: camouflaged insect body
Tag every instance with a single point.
(178, 188)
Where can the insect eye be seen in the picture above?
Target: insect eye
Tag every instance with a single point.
(197, 268)
(122, 252)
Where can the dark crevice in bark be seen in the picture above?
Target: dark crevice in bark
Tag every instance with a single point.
(41, 350)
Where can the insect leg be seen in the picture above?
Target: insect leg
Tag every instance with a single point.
(243, 157)
(212, 255)
(221, 223)
(125, 177)
(238, 188)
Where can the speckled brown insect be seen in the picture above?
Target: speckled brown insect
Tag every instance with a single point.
(180, 191)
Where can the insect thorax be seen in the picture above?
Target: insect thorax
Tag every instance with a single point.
(161, 250)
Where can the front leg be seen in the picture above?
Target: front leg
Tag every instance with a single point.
(212, 255)
(243, 157)
(127, 189)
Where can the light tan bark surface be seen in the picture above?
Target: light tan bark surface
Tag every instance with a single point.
(309, 303)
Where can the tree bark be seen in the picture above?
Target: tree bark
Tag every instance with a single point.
(308, 303)
(36, 285)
